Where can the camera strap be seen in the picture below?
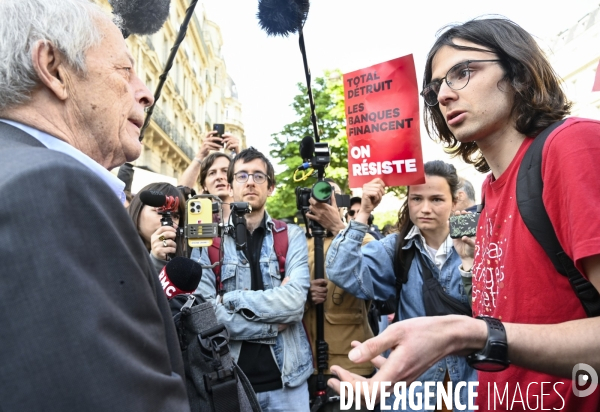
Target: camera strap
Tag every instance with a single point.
(280, 244)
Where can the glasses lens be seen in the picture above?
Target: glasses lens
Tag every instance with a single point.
(430, 94)
(259, 178)
(351, 212)
(458, 76)
(241, 177)
(321, 191)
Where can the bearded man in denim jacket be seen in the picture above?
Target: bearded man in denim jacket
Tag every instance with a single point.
(262, 308)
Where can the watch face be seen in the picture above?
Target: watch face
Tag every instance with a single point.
(489, 366)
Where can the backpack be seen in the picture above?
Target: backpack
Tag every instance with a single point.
(435, 300)
(214, 382)
(533, 212)
(280, 244)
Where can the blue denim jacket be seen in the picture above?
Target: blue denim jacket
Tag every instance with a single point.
(368, 273)
(255, 315)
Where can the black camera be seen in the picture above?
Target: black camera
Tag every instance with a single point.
(238, 219)
(240, 208)
(321, 192)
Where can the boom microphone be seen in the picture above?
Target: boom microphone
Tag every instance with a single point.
(141, 16)
(180, 275)
(307, 148)
(282, 17)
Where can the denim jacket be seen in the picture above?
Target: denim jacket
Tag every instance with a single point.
(368, 273)
(254, 315)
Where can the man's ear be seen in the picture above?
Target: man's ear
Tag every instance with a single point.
(49, 64)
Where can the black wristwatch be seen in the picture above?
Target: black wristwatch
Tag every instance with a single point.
(494, 355)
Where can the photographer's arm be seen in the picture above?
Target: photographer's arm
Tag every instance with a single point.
(283, 304)
(190, 175)
(366, 272)
(327, 215)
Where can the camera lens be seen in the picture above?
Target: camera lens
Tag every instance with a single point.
(321, 191)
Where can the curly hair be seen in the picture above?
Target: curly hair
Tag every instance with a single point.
(538, 96)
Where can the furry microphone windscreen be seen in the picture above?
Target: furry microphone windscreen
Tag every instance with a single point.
(282, 17)
(141, 16)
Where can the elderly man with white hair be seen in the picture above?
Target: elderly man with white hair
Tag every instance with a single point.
(85, 324)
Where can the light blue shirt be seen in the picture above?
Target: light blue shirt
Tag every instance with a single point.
(52, 143)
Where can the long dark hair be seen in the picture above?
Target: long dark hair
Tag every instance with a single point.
(538, 97)
(135, 208)
(433, 168)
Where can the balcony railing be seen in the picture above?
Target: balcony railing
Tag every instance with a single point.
(161, 120)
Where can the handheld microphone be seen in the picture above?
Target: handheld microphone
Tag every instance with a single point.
(157, 199)
(282, 17)
(180, 275)
(141, 16)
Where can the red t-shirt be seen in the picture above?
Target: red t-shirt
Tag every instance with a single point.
(515, 281)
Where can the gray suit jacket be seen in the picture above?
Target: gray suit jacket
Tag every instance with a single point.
(84, 323)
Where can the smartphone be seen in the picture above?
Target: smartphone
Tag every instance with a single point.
(199, 228)
(220, 129)
(463, 225)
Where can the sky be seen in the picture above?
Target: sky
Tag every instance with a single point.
(351, 35)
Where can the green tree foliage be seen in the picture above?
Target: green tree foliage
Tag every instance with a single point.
(383, 218)
(328, 94)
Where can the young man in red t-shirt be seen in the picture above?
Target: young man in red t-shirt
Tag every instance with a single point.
(489, 90)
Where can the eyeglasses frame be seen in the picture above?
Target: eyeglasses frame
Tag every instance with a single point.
(445, 79)
(235, 176)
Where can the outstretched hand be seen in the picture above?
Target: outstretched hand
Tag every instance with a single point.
(416, 344)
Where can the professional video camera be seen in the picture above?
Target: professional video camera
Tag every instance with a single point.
(316, 157)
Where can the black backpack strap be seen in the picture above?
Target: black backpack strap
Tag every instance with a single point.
(401, 267)
(533, 212)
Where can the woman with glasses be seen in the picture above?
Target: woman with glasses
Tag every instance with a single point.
(370, 272)
(161, 241)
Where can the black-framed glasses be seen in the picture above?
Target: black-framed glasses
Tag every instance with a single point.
(258, 177)
(351, 213)
(456, 78)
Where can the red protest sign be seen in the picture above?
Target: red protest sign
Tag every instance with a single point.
(382, 124)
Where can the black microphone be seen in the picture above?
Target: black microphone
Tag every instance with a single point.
(141, 16)
(282, 17)
(157, 199)
(307, 148)
(153, 198)
(180, 275)
(164, 204)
